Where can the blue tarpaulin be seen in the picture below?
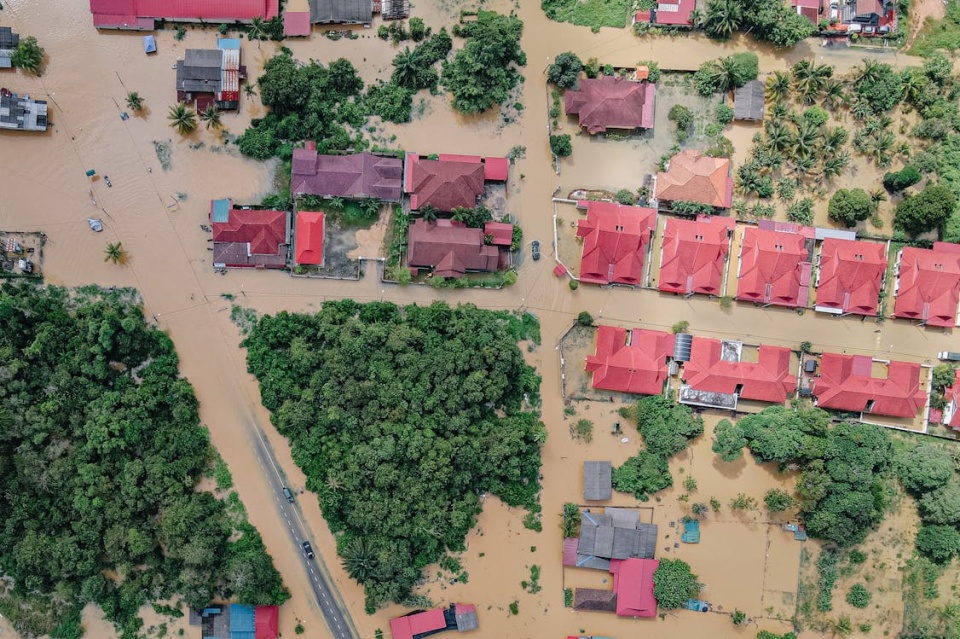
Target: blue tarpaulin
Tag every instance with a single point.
(149, 44)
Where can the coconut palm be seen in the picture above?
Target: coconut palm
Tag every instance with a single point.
(370, 206)
(880, 149)
(861, 110)
(912, 84)
(257, 30)
(335, 204)
(869, 71)
(359, 560)
(779, 137)
(778, 86)
(877, 196)
(406, 69)
(115, 253)
(779, 111)
(834, 165)
(183, 119)
(429, 212)
(211, 117)
(250, 90)
(134, 101)
(805, 144)
(804, 165)
(723, 18)
(835, 138)
(833, 94)
(696, 17)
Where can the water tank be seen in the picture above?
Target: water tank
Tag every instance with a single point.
(681, 347)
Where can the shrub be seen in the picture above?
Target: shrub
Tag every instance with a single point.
(849, 206)
(743, 502)
(680, 327)
(724, 114)
(582, 430)
(560, 145)
(815, 116)
(565, 70)
(654, 74)
(29, 56)
(897, 181)
(858, 596)
(939, 543)
(625, 196)
(674, 584)
(778, 500)
(682, 117)
(574, 285)
(585, 319)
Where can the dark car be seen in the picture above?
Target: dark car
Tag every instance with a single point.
(535, 245)
(307, 549)
(288, 494)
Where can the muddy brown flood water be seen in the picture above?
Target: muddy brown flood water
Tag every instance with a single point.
(156, 213)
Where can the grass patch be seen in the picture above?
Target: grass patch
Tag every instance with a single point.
(589, 13)
(939, 34)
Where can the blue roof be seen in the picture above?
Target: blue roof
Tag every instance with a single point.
(228, 43)
(241, 619)
(221, 211)
(149, 44)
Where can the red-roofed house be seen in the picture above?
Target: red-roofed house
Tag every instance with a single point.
(266, 622)
(248, 238)
(669, 12)
(444, 184)
(630, 362)
(308, 240)
(850, 276)
(449, 248)
(615, 239)
(775, 266)
(501, 232)
(417, 625)
(633, 585)
(715, 366)
(928, 284)
(142, 14)
(809, 9)
(694, 177)
(611, 102)
(296, 24)
(358, 175)
(950, 417)
(846, 383)
(494, 169)
(694, 254)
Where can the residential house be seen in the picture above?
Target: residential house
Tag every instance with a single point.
(308, 238)
(850, 383)
(597, 480)
(417, 625)
(499, 233)
(633, 585)
(694, 255)
(611, 102)
(812, 10)
(670, 13)
(142, 14)
(868, 13)
(20, 113)
(951, 411)
(850, 276)
(236, 621)
(296, 24)
(248, 238)
(444, 184)
(718, 374)
(211, 76)
(775, 265)
(748, 101)
(928, 284)
(355, 176)
(449, 248)
(341, 11)
(9, 41)
(693, 177)
(630, 361)
(616, 534)
(615, 241)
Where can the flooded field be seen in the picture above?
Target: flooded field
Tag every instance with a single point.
(158, 202)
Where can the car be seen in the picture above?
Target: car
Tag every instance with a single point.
(307, 549)
(535, 246)
(288, 494)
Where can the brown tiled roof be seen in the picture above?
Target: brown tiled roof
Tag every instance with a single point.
(357, 175)
(449, 248)
(444, 185)
(694, 177)
(596, 600)
(612, 102)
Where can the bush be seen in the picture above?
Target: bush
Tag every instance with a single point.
(565, 70)
(654, 73)
(858, 596)
(674, 584)
(849, 206)
(926, 211)
(897, 181)
(816, 116)
(582, 430)
(642, 475)
(28, 56)
(801, 211)
(585, 319)
(939, 543)
(682, 117)
(418, 29)
(680, 327)
(560, 145)
(728, 441)
(724, 114)
(778, 500)
(625, 196)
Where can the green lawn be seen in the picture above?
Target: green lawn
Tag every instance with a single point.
(589, 13)
(939, 34)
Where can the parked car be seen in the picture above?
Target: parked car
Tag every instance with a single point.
(288, 494)
(307, 549)
(949, 356)
(535, 245)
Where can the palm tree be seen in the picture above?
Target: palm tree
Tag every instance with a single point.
(335, 204)
(429, 212)
(778, 86)
(834, 165)
(359, 560)
(257, 30)
(803, 165)
(833, 95)
(779, 136)
(869, 72)
(461, 214)
(723, 18)
(333, 484)
(134, 101)
(835, 138)
(370, 206)
(183, 119)
(406, 69)
(806, 141)
(861, 110)
(876, 197)
(696, 17)
(211, 117)
(250, 90)
(115, 253)
(842, 626)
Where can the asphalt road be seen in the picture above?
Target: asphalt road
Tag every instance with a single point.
(334, 612)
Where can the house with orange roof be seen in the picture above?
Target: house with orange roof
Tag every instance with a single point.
(848, 383)
(850, 276)
(694, 255)
(630, 361)
(308, 238)
(927, 285)
(775, 265)
(691, 176)
(615, 241)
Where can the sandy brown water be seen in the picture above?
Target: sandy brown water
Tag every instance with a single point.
(157, 213)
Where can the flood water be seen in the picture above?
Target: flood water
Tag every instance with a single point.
(156, 213)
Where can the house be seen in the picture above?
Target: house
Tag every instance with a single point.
(694, 177)
(674, 13)
(449, 248)
(633, 585)
(616, 534)
(694, 255)
(308, 238)
(236, 621)
(812, 10)
(9, 41)
(615, 240)
(928, 284)
(630, 362)
(494, 169)
(444, 184)
(611, 102)
(748, 101)
(718, 367)
(142, 14)
(951, 411)
(296, 24)
(849, 383)
(597, 480)
(211, 76)
(500, 232)
(417, 625)
(341, 11)
(775, 265)
(850, 276)
(247, 238)
(20, 113)
(357, 175)
(874, 13)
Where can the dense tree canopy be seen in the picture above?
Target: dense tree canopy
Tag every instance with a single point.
(565, 70)
(849, 206)
(674, 584)
(726, 74)
(926, 211)
(401, 418)
(728, 440)
(101, 449)
(767, 21)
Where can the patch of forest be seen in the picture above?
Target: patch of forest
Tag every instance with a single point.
(402, 418)
(101, 452)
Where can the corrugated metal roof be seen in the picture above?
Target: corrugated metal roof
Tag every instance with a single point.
(229, 44)
(220, 211)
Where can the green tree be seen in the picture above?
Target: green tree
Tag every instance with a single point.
(897, 181)
(778, 86)
(926, 467)
(642, 475)
(778, 500)
(625, 196)
(134, 101)
(565, 70)
(728, 440)
(849, 206)
(877, 85)
(723, 17)
(939, 543)
(666, 426)
(115, 253)
(211, 117)
(941, 505)
(560, 145)
(182, 118)
(682, 117)
(28, 56)
(726, 74)
(858, 596)
(257, 30)
(674, 584)
(926, 211)
(724, 114)
(585, 319)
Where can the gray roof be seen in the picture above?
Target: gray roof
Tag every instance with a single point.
(8, 39)
(467, 621)
(597, 477)
(748, 101)
(200, 70)
(341, 11)
(22, 113)
(600, 537)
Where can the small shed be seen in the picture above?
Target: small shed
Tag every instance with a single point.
(597, 480)
(748, 101)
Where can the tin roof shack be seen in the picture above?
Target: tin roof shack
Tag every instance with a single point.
(630, 361)
(211, 76)
(8, 43)
(417, 625)
(611, 102)
(141, 15)
(748, 101)
(236, 621)
(927, 285)
(341, 11)
(20, 113)
(449, 248)
(597, 480)
(248, 238)
(357, 175)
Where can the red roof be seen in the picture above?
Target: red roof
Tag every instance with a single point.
(449, 248)
(612, 102)
(296, 23)
(570, 551)
(638, 367)
(417, 623)
(633, 584)
(694, 177)
(357, 175)
(495, 169)
(444, 184)
(694, 254)
(615, 242)
(250, 238)
(767, 380)
(675, 12)
(501, 231)
(952, 396)
(846, 383)
(308, 244)
(207, 10)
(850, 277)
(928, 285)
(774, 267)
(265, 622)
